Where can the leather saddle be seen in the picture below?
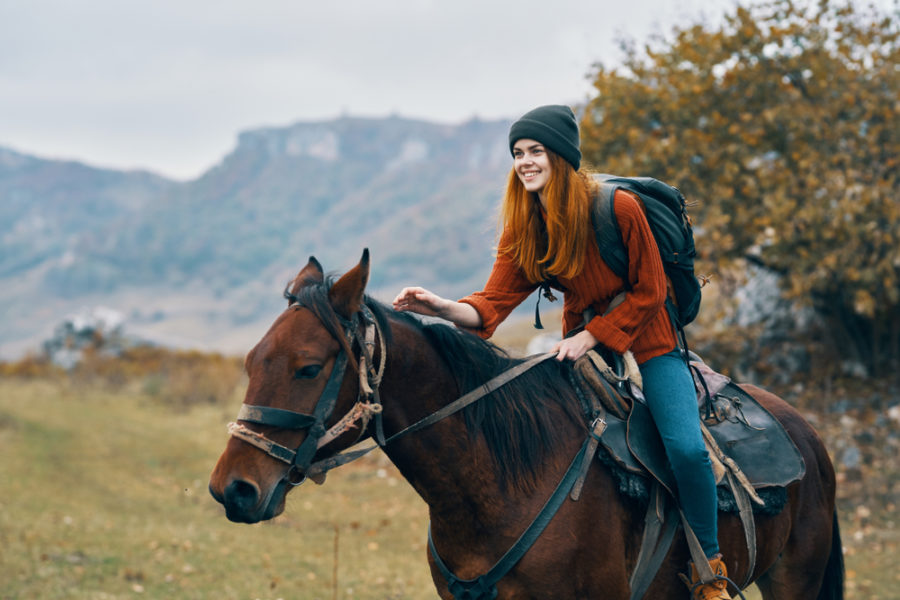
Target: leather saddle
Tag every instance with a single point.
(745, 434)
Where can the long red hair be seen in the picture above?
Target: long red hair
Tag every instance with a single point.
(554, 247)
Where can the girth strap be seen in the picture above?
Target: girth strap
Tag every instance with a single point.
(660, 525)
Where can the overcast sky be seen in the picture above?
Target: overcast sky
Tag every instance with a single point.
(167, 85)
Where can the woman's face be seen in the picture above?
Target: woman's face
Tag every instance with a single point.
(531, 164)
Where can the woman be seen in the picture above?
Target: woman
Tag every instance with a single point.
(547, 235)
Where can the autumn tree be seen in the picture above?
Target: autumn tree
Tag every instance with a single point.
(782, 123)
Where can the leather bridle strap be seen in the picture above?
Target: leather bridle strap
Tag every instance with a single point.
(323, 410)
(286, 419)
(301, 458)
(276, 417)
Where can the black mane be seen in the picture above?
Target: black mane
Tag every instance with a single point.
(520, 420)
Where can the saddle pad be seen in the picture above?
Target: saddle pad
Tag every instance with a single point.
(635, 444)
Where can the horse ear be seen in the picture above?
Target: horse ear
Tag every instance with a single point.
(311, 273)
(346, 295)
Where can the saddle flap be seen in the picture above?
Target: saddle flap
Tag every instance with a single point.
(754, 439)
(646, 445)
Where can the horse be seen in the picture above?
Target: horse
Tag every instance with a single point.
(485, 471)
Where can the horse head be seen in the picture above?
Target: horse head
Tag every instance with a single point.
(298, 387)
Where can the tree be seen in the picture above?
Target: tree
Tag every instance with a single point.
(783, 123)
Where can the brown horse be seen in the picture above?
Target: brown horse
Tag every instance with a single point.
(486, 471)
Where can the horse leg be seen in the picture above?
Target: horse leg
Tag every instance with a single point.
(810, 565)
(809, 568)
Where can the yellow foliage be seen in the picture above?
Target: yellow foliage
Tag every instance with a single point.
(784, 117)
(178, 377)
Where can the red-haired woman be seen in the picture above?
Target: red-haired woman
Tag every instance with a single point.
(547, 235)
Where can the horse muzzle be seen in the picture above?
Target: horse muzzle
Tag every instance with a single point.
(244, 502)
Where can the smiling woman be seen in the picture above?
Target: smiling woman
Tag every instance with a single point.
(548, 242)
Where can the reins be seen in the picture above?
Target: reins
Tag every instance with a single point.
(474, 395)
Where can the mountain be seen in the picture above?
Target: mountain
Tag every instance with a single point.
(202, 263)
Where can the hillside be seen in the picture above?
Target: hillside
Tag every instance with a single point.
(201, 263)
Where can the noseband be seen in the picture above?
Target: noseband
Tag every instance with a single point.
(367, 405)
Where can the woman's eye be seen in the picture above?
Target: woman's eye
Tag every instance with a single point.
(307, 372)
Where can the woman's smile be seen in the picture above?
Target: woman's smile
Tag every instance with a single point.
(532, 164)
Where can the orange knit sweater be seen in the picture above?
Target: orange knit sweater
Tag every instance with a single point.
(640, 323)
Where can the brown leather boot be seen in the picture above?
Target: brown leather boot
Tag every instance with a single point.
(716, 590)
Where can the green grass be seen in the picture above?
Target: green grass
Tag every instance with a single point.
(103, 496)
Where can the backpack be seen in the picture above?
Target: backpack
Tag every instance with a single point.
(666, 211)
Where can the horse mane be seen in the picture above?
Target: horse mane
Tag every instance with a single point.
(522, 422)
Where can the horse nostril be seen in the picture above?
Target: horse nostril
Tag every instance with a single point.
(241, 494)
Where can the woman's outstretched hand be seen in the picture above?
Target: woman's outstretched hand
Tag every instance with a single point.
(574, 347)
(419, 300)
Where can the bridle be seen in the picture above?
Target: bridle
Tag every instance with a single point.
(366, 407)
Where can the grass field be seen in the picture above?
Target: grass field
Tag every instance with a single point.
(104, 497)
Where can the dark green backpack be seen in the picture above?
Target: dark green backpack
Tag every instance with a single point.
(666, 211)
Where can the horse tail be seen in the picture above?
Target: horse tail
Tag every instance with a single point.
(833, 581)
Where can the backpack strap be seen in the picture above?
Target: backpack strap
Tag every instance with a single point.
(607, 232)
(546, 292)
(613, 251)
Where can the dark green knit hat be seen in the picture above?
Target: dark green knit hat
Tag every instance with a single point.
(554, 126)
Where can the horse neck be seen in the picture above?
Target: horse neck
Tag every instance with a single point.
(416, 384)
(451, 470)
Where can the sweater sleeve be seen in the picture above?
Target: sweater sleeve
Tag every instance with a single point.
(505, 289)
(618, 328)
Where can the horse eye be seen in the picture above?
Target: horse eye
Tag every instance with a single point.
(307, 372)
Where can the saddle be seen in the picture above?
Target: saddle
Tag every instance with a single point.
(742, 436)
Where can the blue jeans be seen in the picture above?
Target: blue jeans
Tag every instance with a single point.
(669, 390)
